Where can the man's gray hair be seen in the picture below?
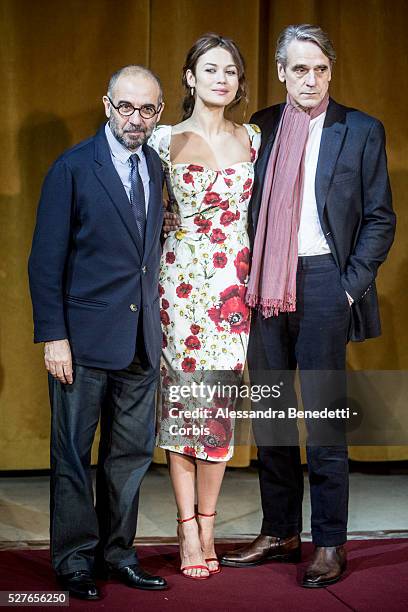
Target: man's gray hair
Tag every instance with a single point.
(303, 32)
(134, 70)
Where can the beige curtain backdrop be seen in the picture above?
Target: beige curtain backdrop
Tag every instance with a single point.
(56, 58)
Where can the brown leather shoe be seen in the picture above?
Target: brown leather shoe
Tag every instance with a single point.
(264, 548)
(327, 566)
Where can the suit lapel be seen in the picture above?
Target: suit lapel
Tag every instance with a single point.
(334, 131)
(154, 212)
(270, 127)
(107, 175)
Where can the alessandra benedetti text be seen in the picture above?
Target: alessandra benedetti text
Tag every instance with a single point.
(269, 413)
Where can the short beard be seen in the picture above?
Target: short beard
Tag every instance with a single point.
(134, 143)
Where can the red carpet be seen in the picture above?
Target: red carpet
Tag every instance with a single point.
(376, 581)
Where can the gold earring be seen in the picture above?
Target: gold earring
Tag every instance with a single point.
(192, 91)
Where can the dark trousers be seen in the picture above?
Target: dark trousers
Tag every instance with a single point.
(314, 339)
(124, 402)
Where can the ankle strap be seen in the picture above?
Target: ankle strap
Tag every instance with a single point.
(207, 515)
(180, 520)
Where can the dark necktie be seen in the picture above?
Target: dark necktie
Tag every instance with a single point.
(137, 196)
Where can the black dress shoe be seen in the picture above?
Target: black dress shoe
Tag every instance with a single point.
(135, 577)
(79, 584)
(327, 567)
(264, 548)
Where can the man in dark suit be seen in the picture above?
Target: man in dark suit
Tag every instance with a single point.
(93, 270)
(343, 224)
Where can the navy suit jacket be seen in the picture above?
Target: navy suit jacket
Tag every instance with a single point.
(353, 198)
(89, 276)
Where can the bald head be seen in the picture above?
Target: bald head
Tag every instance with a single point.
(133, 105)
(133, 70)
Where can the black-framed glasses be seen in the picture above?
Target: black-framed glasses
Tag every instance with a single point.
(126, 109)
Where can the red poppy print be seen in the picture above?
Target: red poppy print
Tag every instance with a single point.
(189, 450)
(203, 224)
(192, 343)
(241, 263)
(177, 409)
(239, 367)
(227, 217)
(247, 184)
(232, 291)
(220, 260)
(229, 171)
(217, 236)
(244, 196)
(184, 290)
(170, 257)
(188, 178)
(231, 310)
(195, 329)
(216, 442)
(236, 312)
(211, 198)
(164, 341)
(224, 205)
(215, 316)
(188, 364)
(161, 290)
(167, 381)
(253, 154)
(228, 182)
(164, 317)
(194, 168)
(165, 303)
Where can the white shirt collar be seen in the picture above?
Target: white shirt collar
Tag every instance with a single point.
(319, 119)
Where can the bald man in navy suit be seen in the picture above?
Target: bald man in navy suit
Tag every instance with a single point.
(94, 270)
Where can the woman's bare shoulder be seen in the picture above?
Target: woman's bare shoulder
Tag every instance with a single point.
(239, 131)
(181, 127)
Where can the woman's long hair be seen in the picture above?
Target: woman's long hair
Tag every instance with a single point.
(201, 46)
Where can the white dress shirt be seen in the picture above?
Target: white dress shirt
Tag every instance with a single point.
(311, 240)
(120, 157)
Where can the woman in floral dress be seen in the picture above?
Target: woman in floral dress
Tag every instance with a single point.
(208, 161)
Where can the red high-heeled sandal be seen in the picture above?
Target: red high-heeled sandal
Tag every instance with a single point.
(218, 570)
(188, 567)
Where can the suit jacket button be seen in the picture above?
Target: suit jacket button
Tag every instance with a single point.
(144, 269)
(133, 307)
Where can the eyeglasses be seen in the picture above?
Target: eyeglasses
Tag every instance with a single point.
(126, 109)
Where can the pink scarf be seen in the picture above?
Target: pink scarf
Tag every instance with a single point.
(272, 282)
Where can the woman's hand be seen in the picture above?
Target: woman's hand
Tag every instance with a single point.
(171, 221)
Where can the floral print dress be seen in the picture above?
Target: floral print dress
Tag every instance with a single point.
(205, 320)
